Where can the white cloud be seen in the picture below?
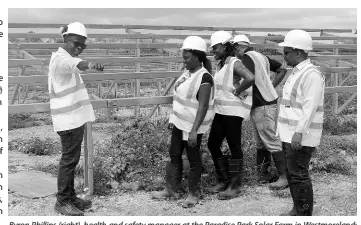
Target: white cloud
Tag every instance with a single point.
(239, 17)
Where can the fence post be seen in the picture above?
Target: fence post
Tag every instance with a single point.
(137, 81)
(88, 158)
(334, 77)
(86, 181)
(19, 55)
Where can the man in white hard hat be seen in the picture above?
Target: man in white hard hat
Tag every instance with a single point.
(264, 110)
(300, 118)
(70, 110)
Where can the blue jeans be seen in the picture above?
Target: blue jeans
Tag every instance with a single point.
(71, 146)
(264, 124)
(299, 180)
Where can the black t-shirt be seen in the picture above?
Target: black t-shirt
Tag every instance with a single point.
(207, 78)
(257, 99)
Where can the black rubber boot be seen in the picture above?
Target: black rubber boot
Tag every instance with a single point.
(280, 162)
(173, 178)
(263, 162)
(221, 166)
(303, 199)
(235, 171)
(194, 180)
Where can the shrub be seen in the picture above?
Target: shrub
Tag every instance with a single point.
(139, 153)
(24, 120)
(340, 124)
(336, 154)
(35, 146)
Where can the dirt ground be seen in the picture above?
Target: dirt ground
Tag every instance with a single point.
(334, 194)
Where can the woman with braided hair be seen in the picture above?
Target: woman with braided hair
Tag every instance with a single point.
(233, 103)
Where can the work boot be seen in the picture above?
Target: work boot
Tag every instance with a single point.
(81, 204)
(67, 209)
(221, 166)
(173, 178)
(194, 179)
(280, 163)
(263, 162)
(303, 199)
(233, 189)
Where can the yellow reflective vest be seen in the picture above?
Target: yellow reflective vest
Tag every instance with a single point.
(185, 103)
(298, 114)
(70, 105)
(225, 101)
(262, 76)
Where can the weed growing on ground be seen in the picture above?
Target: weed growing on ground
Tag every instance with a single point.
(35, 146)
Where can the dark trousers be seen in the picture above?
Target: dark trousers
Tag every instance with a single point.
(299, 180)
(229, 127)
(71, 146)
(193, 154)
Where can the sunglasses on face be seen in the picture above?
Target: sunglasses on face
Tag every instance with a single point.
(285, 52)
(78, 44)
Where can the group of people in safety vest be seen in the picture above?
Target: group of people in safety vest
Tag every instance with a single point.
(287, 125)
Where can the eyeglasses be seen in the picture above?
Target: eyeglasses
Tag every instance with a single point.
(78, 44)
(285, 52)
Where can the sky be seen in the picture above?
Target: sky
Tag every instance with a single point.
(331, 18)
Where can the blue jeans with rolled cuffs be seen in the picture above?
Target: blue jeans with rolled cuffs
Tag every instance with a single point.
(71, 141)
(264, 124)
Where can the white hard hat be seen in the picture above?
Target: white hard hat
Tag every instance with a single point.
(75, 28)
(195, 43)
(241, 38)
(220, 37)
(299, 39)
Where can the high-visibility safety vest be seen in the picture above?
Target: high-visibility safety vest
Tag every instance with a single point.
(70, 104)
(225, 101)
(185, 103)
(262, 76)
(291, 111)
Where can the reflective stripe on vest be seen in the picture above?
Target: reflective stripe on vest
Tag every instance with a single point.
(297, 105)
(189, 103)
(293, 96)
(226, 103)
(67, 91)
(232, 103)
(292, 122)
(185, 104)
(191, 119)
(70, 108)
(228, 89)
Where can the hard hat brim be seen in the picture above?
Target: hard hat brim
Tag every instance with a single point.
(284, 44)
(192, 49)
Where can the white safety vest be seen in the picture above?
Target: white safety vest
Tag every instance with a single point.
(70, 105)
(291, 111)
(225, 101)
(263, 75)
(185, 103)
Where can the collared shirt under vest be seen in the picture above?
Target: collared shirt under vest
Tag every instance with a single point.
(69, 101)
(185, 103)
(301, 106)
(263, 76)
(225, 101)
